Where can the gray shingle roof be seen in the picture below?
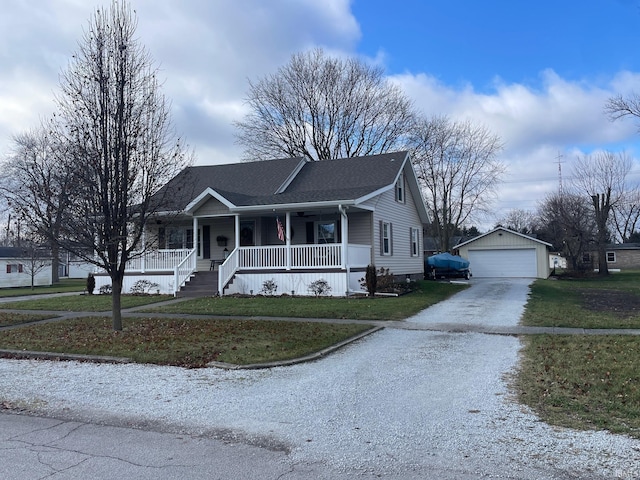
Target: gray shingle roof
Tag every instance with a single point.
(256, 183)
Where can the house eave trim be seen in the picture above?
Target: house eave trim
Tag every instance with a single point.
(291, 206)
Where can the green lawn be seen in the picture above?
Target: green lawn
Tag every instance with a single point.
(583, 381)
(9, 318)
(83, 303)
(195, 342)
(65, 285)
(610, 302)
(188, 343)
(359, 308)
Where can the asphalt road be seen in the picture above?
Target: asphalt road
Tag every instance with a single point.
(400, 404)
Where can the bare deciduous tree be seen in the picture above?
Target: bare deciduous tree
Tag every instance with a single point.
(602, 176)
(320, 107)
(620, 107)
(519, 220)
(566, 221)
(458, 170)
(39, 178)
(626, 215)
(116, 122)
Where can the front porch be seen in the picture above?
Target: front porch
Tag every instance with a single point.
(291, 267)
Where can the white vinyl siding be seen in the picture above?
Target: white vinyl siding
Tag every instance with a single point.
(20, 276)
(360, 228)
(212, 207)
(402, 217)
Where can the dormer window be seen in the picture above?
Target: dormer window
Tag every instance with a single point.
(400, 195)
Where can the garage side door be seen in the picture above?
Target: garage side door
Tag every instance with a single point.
(503, 263)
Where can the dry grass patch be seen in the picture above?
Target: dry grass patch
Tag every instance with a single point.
(187, 343)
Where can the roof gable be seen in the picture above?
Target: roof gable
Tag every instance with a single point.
(498, 229)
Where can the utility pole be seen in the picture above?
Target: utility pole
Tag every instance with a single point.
(558, 158)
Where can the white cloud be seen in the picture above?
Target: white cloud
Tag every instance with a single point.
(561, 118)
(208, 50)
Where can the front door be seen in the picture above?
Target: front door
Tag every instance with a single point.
(206, 241)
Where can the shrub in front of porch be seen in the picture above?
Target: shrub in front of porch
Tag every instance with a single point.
(319, 287)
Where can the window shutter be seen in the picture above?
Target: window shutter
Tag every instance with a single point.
(381, 239)
(390, 238)
(410, 241)
(8, 268)
(20, 268)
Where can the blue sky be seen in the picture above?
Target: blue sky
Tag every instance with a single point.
(479, 41)
(535, 73)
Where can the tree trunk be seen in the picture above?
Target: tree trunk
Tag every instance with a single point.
(55, 263)
(601, 205)
(116, 310)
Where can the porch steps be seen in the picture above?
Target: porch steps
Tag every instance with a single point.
(202, 284)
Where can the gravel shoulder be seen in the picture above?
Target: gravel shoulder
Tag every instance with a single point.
(397, 404)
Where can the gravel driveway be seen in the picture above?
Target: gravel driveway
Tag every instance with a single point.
(398, 404)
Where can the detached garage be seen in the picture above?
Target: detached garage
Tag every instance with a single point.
(505, 253)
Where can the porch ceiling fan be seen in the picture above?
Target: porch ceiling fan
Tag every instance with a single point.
(302, 215)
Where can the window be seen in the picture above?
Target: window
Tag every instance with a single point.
(386, 238)
(415, 242)
(400, 189)
(586, 258)
(247, 233)
(325, 232)
(611, 257)
(14, 268)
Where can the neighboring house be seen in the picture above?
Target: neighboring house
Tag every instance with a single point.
(16, 268)
(505, 253)
(556, 260)
(289, 221)
(623, 256)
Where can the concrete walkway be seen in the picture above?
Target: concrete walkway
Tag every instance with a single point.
(408, 324)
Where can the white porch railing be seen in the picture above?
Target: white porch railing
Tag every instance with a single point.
(182, 272)
(158, 260)
(182, 263)
(227, 270)
(302, 257)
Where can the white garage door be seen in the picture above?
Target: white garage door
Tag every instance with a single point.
(503, 263)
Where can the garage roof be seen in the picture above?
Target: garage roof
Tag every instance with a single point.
(504, 230)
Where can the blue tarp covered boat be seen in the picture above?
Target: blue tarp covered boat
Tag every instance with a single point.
(447, 265)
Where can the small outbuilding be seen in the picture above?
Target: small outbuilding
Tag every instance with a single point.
(506, 253)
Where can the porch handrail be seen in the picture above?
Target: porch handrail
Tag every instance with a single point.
(227, 270)
(302, 256)
(183, 270)
(157, 260)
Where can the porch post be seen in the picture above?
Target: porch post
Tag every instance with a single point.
(195, 234)
(344, 221)
(344, 261)
(288, 238)
(237, 226)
